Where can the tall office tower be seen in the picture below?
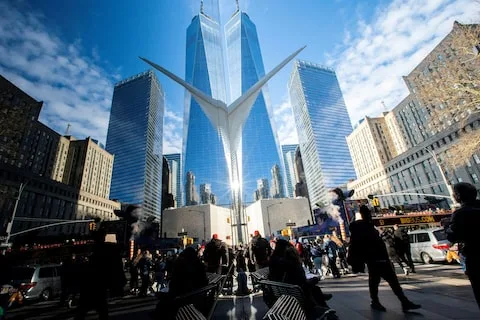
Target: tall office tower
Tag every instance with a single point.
(206, 195)
(301, 189)
(168, 200)
(277, 189)
(204, 69)
(175, 164)
(322, 124)
(134, 137)
(371, 145)
(245, 68)
(191, 197)
(263, 190)
(288, 152)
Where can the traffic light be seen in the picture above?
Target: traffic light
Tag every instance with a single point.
(375, 202)
(92, 226)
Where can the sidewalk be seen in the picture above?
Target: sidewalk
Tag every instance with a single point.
(441, 297)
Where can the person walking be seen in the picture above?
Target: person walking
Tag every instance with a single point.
(134, 271)
(395, 256)
(402, 245)
(103, 272)
(330, 248)
(215, 255)
(260, 250)
(144, 266)
(366, 247)
(316, 252)
(463, 228)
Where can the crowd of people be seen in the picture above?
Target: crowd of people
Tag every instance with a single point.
(171, 274)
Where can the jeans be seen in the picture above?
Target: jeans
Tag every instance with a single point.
(317, 261)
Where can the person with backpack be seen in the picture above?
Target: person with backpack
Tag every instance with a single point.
(317, 253)
(215, 255)
(330, 248)
(260, 251)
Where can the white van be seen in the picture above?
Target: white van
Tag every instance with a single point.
(429, 245)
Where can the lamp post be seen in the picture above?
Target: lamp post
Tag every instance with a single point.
(10, 224)
(268, 217)
(445, 180)
(204, 222)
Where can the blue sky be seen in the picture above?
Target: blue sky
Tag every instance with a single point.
(69, 54)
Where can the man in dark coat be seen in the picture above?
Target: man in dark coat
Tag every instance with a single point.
(260, 250)
(402, 245)
(215, 255)
(103, 272)
(463, 228)
(366, 246)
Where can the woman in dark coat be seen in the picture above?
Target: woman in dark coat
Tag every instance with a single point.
(286, 266)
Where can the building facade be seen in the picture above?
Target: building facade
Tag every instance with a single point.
(322, 123)
(134, 137)
(245, 68)
(191, 196)
(84, 164)
(175, 165)
(288, 152)
(58, 185)
(413, 169)
(301, 189)
(371, 145)
(203, 150)
(263, 190)
(277, 188)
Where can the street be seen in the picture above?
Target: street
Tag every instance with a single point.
(442, 290)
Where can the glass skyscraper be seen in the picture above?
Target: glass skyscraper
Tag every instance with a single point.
(205, 157)
(322, 123)
(288, 152)
(260, 150)
(204, 68)
(134, 137)
(175, 164)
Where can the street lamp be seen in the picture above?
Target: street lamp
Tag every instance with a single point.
(268, 216)
(204, 222)
(10, 224)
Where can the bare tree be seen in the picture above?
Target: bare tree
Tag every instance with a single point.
(450, 90)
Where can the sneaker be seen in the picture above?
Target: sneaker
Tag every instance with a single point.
(405, 270)
(407, 306)
(377, 306)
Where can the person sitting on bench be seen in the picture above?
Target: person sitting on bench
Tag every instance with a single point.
(286, 266)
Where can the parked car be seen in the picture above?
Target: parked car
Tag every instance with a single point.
(429, 245)
(38, 281)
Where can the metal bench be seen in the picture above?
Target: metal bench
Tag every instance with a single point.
(286, 308)
(189, 312)
(273, 290)
(257, 276)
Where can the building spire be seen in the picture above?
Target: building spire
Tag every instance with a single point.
(238, 6)
(201, 6)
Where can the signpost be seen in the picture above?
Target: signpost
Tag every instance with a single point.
(184, 235)
(289, 225)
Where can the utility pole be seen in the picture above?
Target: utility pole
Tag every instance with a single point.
(10, 223)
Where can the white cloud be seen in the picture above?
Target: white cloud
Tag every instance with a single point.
(370, 64)
(74, 88)
(172, 131)
(284, 123)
